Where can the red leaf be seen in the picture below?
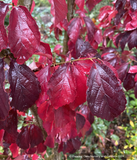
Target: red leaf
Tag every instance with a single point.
(25, 88)
(35, 157)
(74, 29)
(32, 6)
(36, 135)
(41, 148)
(129, 82)
(91, 3)
(49, 142)
(43, 77)
(1, 135)
(24, 36)
(90, 28)
(80, 122)
(9, 138)
(133, 69)
(80, 71)
(4, 99)
(4, 8)
(105, 96)
(23, 138)
(63, 116)
(14, 149)
(64, 90)
(61, 10)
(80, 4)
(15, 2)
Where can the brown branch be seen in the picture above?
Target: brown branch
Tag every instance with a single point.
(26, 3)
(69, 17)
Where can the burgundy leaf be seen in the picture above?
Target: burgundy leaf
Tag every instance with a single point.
(41, 148)
(23, 138)
(11, 122)
(4, 99)
(105, 96)
(25, 88)
(132, 42)
(90, 28)
(80, 122)
(61, 10)
(74, 29)
(63, 116)
(36, 136)
(9, 138)
(98, 36)
(129, 82)
(31, 150)
(80, 4)
(120, 4)
(49, 142)
(91, 3)
(133, 4)
(68, 147)
(76, 143)
(4, 8)
(83, 49)
(64, 90)
(122, 71)
(24, 36)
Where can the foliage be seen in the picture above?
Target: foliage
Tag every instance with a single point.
(86, 77)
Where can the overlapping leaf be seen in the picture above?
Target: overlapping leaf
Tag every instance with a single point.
(25, 88)
(60, 9)
(80, 4)
(64, 90)
(3, 36)
(90, 28)
(91, 3)
(23, 36)
(105, 96)
(4, 99)
(133, 4)
(74, 29)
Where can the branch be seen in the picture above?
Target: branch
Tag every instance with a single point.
(26, 3)
(69, 17)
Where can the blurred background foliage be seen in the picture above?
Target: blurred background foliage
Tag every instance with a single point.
(108, 140)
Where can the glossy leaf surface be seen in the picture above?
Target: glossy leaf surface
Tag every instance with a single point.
(22, 82)
(23, 36)
(105, 96)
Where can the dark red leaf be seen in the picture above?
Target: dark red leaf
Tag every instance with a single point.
(41, 148)
(4, 99)
(80, 122)
(36, 135)
(122, 71)
(14, 149)
(31, 150)
(91, 3)
(25, 88)
(23, 138)
(61, 10)
(83, 49)
(63, 116)
(132, 41)
(74, 29)
(4, 8)
(120, 4)
(90, 28)
(133, 4)
(80, 4)
(24, 35)
(76, 143)
(64, 90)
(49, 142)
(105, 96)
(129, 82)
(1, 135)
(11, 122)
(98, 36)
(9, 138)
